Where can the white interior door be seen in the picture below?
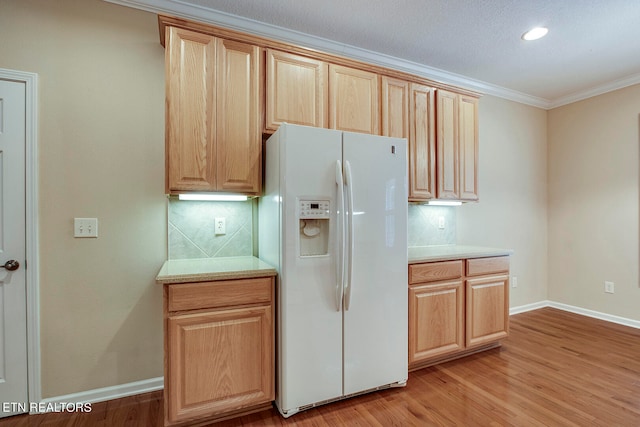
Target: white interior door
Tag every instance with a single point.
(13, 307)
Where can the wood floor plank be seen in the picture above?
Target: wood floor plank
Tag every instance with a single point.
(555, 369)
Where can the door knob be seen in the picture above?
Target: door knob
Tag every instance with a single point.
(11, 265)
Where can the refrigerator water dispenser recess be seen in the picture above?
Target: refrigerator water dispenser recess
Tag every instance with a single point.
(314, 218)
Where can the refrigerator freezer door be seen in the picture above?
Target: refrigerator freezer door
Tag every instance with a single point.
(375, 324)
(310, 326)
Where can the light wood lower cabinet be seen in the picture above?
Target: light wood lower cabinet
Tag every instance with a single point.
(456, 308)
(436, 325)
(219, 349)
(486, 317)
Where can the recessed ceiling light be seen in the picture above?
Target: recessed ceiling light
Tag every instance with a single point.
(535, 33)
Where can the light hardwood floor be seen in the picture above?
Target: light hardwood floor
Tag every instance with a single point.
(555, 369)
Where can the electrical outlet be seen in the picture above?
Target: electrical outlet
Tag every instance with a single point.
(221, 226)
(441, 222)
(85, 227)
(609, 287)
(514, 282)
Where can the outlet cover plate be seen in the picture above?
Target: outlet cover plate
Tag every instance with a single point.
(220, 226)
(609, 287)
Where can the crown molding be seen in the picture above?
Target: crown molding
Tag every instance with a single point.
(192, 12)
(197, 13)
(598, 90)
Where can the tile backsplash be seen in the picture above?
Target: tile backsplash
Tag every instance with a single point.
(192, 233)
(423, 225)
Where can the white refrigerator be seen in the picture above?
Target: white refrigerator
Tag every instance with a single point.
(333, 222)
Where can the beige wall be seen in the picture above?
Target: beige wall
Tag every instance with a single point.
(101, 154)
(512, 212)
(593, 202)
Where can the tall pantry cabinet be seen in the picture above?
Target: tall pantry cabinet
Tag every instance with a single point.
(213, 133)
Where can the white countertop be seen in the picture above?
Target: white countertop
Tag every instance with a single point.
(208, 269)
(225, 268)
(449, 252)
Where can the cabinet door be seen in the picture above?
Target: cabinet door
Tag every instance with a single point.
(219, 361)
(422, 143)
(436, 320)
(448, 146)
(487, 309)
(297, 90)
(238, 142)
(395, 107)
(190, 110)
(353, 100)
(468, 128)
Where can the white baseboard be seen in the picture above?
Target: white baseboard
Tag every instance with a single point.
(109, 393)
(528, 307)
(596, 314)
(577, 310)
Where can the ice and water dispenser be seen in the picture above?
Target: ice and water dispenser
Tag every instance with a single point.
(314, 218)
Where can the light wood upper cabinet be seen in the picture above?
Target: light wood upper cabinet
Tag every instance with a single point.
(457, 146)
(190, 110)
(422, 143)
(408, 111)
(239, 141)
(447, 146)
(395, 107)
(213, 138)
(217, 110)
(354, 104)
(296, 90)
(468, 133)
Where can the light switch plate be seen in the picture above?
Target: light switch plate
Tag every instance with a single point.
(85, 227)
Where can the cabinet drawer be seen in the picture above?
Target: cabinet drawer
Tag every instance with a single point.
(434, 271)
(479, 266)
(223, 293)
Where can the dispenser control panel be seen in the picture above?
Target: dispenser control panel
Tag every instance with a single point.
(314, 209)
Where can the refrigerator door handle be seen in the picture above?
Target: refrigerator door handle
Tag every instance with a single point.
(340, 236)
(350, 235)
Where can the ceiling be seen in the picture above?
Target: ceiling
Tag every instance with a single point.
(593, 46)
